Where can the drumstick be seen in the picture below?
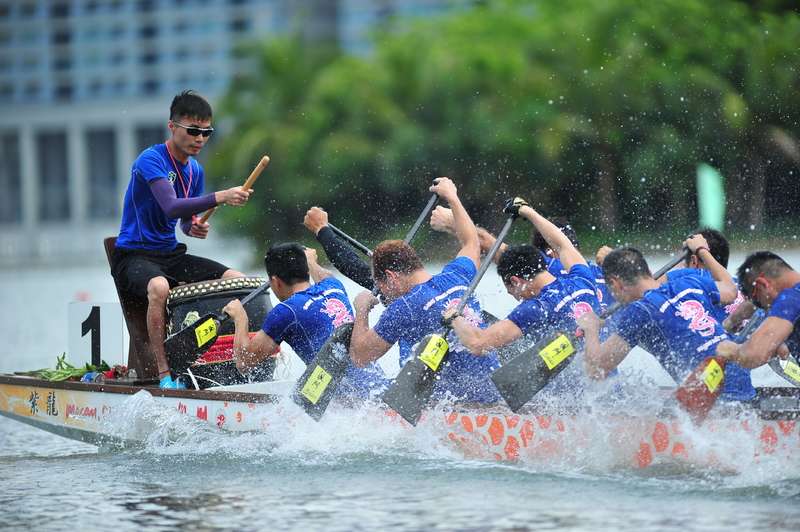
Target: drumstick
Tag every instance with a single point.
(247, 184)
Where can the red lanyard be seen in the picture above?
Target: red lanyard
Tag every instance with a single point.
(180, 175)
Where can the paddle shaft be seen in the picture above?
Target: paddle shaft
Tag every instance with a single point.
(249, 297)
(423, 215)
(487, 261)
(262, 164)
(352, 241)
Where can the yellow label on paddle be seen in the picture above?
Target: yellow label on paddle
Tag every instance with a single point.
(556, 351)
(713, 375)
(205, 331)
(434, 352)
(792, 370)
(316, 385)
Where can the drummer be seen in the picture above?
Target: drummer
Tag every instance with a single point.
(305, 318)
(166, 186)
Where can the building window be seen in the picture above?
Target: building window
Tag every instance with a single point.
(148, 32)
(149, 58)
(62, 37)
(10, 179)
(102, 161)
(146, 136)
(150, 86)
(117, 58)
(62, 63)
(51, 156)
(31, 91)
(95, 87)
(28, 9)
(59, 10)
(64, 91)
(239, 25)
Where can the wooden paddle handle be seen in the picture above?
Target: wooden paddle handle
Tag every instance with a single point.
(247, 184)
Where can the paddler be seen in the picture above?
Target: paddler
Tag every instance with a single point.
(305, 318)
(548, 302)
(675, 321)
(719, 248)
(442, 219)
(418, 300)
(772, 285)
(166, 186)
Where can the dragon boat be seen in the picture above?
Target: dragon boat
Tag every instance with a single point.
(105, 413)
(96, 413)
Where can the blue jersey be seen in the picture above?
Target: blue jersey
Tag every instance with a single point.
(720, 311)
(787, 307)
(676, 324)
(604, 296)
(418, 313)
(144, 223)
(555, 309)
(307, 319)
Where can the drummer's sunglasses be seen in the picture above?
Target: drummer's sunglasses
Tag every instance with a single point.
(194, 131)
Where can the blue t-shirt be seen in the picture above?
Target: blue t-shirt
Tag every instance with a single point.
(144, 223)
(604, 296)
(676, 324)
(555, 309)
(720, 311)
(418, 313)
(787, 307)
(307, 319)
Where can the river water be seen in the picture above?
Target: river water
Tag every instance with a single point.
(344, 474)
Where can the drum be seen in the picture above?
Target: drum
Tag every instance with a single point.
(187, 303)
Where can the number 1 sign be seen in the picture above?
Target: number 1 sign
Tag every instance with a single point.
(95, 333)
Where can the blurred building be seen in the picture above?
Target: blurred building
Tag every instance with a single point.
(85, 85)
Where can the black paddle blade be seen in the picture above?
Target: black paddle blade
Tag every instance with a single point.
(318, 384)
(194, 339)
(522, 377)
(789, 369)
(413, 387)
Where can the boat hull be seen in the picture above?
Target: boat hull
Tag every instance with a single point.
(100, 414)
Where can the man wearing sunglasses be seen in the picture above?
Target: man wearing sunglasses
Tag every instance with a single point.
(770, 284)
(166, 186)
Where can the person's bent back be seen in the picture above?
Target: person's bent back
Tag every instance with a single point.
(305, 318)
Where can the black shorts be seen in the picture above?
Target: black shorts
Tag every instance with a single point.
(133, 268)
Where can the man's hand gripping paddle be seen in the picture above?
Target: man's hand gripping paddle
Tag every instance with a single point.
(247, 184)
(413, 387)
(198, 337)
(318, 384)
(521, 378)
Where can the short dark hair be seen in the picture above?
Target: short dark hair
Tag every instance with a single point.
(717, 245)
(396, 256)
(759, 263)
(562, 223)
(191, 105)
(627, 264)
(523, 261)
(287, 261)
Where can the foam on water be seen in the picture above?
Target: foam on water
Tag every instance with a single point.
(721, 459)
